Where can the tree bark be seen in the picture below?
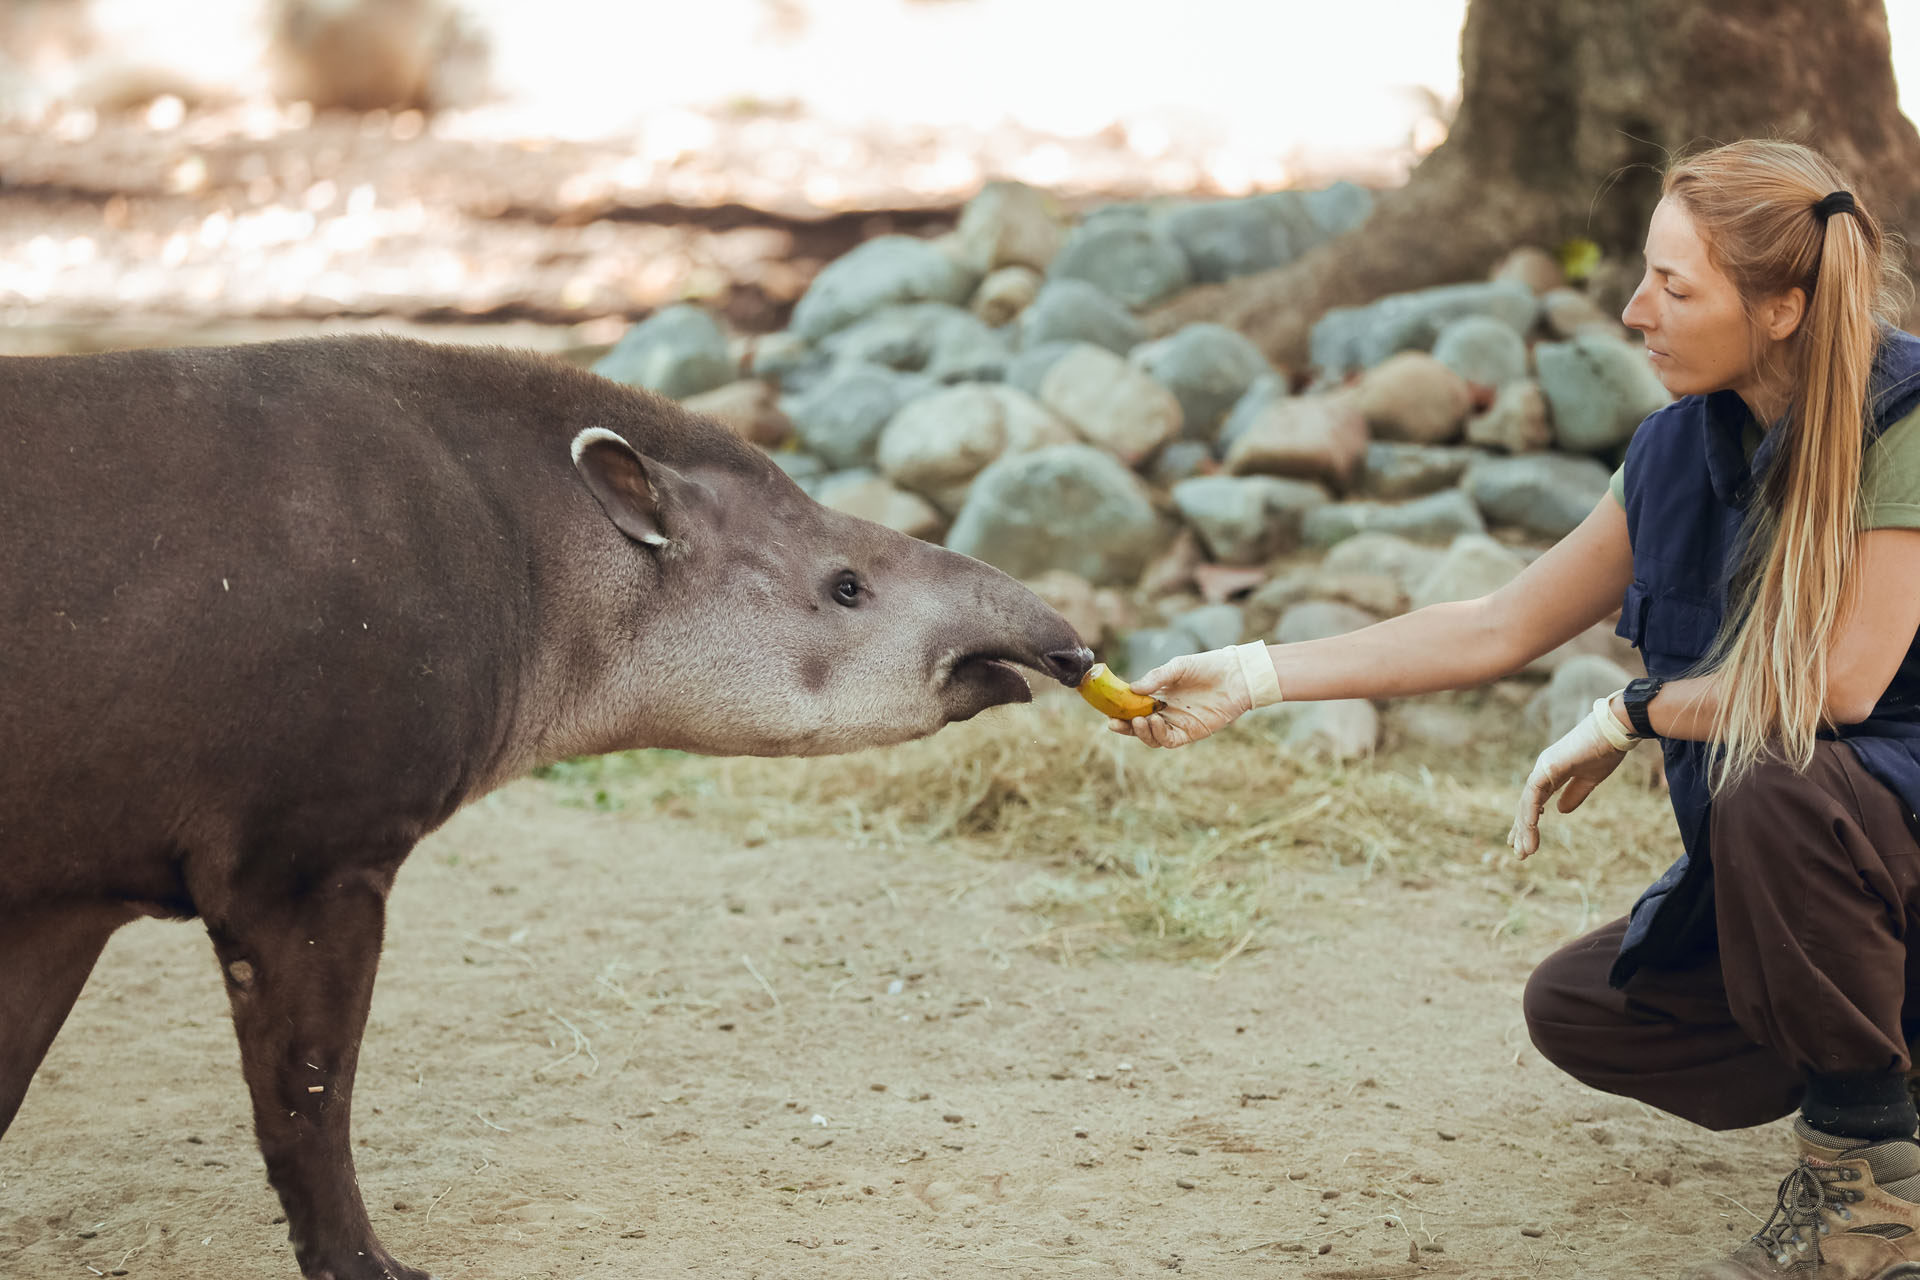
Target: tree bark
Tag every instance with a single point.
(1569, 110)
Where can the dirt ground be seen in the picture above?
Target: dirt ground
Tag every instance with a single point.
(605, 1044)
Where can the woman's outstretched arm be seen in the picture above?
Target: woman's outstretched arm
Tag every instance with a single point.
(1577, 582)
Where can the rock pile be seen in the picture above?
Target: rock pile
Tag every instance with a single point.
(993, 390)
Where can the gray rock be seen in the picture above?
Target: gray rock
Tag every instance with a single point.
(1516, 421)
(874, 274)
(1213, 626)
(1029, 368)
(1394, 470)
(1110, 404)
(1388, 555)
(1180, 460)
(788, 360)
(1482, 350)
(678, 351)
(1598, 389)
(1070, 507)
(1431, 724)
(1077, 311)
(841, 416)
(1361, 337)
(945, 343)
(1227, 238)
(1246, 519)
(1208, 367)
(1567, 699)
(1474, 566)
(1546, 493)
(1438, 517)
(1569, 312)
(1319, 620)
(1340, 730)
(936, 444)
(1126, 254)
(1009, 224)
(1376, 594)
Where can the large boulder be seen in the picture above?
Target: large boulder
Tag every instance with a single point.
(938, 443)
(1483, 350)
(1208, 367)
(840, 417)
(1394, 470)
(1127, 254)
(1009, 224)
(1077, 311)
(1069, 506)
(1414, 397)
(875, 274)
(1516, 421)
(678, 351)
(1348, 338)
(1246, 519)
(1598, 389)
(1438, 517)
(1474, 566)
(1227, 238)
(1545, 493)
(942, 342)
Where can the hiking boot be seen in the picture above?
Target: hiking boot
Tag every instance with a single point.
(1850, 1210)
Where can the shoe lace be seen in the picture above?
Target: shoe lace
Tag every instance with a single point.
(1806, 1194)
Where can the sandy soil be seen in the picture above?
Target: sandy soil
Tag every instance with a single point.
(605, 1045)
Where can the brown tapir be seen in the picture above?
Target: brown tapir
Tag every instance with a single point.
(269, 614)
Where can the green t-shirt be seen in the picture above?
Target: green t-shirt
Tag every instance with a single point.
(1889, 481)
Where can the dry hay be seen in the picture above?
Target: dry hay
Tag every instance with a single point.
(1185, 852)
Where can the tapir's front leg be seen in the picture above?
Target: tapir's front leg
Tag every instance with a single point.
(299, 969)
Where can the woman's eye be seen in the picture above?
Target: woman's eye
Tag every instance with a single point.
(846, 589)
(1672, 294)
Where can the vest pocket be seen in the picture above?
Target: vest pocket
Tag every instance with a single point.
(1672, 630)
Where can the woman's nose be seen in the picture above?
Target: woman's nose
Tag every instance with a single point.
(1638, 312)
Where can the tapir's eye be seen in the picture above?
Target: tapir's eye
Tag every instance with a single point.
(847, 589)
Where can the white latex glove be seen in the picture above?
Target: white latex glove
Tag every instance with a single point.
(1580, 761)
(1204, 693)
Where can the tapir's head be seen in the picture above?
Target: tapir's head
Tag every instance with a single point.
(766, 624)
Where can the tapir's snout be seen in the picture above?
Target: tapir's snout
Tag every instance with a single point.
(1068, 666)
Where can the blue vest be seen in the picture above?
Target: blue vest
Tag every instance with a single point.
(1688, 484)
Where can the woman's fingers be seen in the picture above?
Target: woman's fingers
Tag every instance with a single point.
(1577, 790)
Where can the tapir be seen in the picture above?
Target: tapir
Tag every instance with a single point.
(271, 613)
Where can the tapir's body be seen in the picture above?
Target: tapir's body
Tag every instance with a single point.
(270, 614)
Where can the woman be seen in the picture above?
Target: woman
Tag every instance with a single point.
(1762, 544)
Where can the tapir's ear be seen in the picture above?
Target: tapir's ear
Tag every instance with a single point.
(627, 487)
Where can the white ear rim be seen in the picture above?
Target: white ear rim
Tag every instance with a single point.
(587, 437)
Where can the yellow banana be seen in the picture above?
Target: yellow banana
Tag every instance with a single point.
(1108, 693)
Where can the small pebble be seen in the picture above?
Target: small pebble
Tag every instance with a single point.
(953, 1117)
(1447, 1137)
(1324, 1249)
(1329, 1194)
(1187, 1151)
(1079, 1133)
(878, 1088)
(401, 1206)
(1188, 1183)
(1532, 1233)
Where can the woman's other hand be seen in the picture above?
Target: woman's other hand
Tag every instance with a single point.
(1204, 693)
(1580, 762)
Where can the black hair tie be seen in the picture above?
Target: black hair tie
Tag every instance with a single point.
(1837, 202)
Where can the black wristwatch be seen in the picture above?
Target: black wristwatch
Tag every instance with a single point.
(1638, 694)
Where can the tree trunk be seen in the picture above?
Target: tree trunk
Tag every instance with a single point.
(1568, 111)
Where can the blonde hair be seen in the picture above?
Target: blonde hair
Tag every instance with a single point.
(1753, 203)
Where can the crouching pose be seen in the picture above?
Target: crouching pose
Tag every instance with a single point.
(1762, 546)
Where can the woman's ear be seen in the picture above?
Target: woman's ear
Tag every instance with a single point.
(1780, 319)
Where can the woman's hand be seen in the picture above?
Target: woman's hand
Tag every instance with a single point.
(1580, 762)
(1204, 692)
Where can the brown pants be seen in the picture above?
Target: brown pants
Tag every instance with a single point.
(1817, 892)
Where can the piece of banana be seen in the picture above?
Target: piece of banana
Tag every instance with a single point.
(1108, 693)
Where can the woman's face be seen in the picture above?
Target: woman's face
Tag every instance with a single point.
(1698, 336)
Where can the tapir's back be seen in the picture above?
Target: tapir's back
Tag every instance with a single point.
(247, 586)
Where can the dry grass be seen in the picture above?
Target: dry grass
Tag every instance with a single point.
(1187, 851)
